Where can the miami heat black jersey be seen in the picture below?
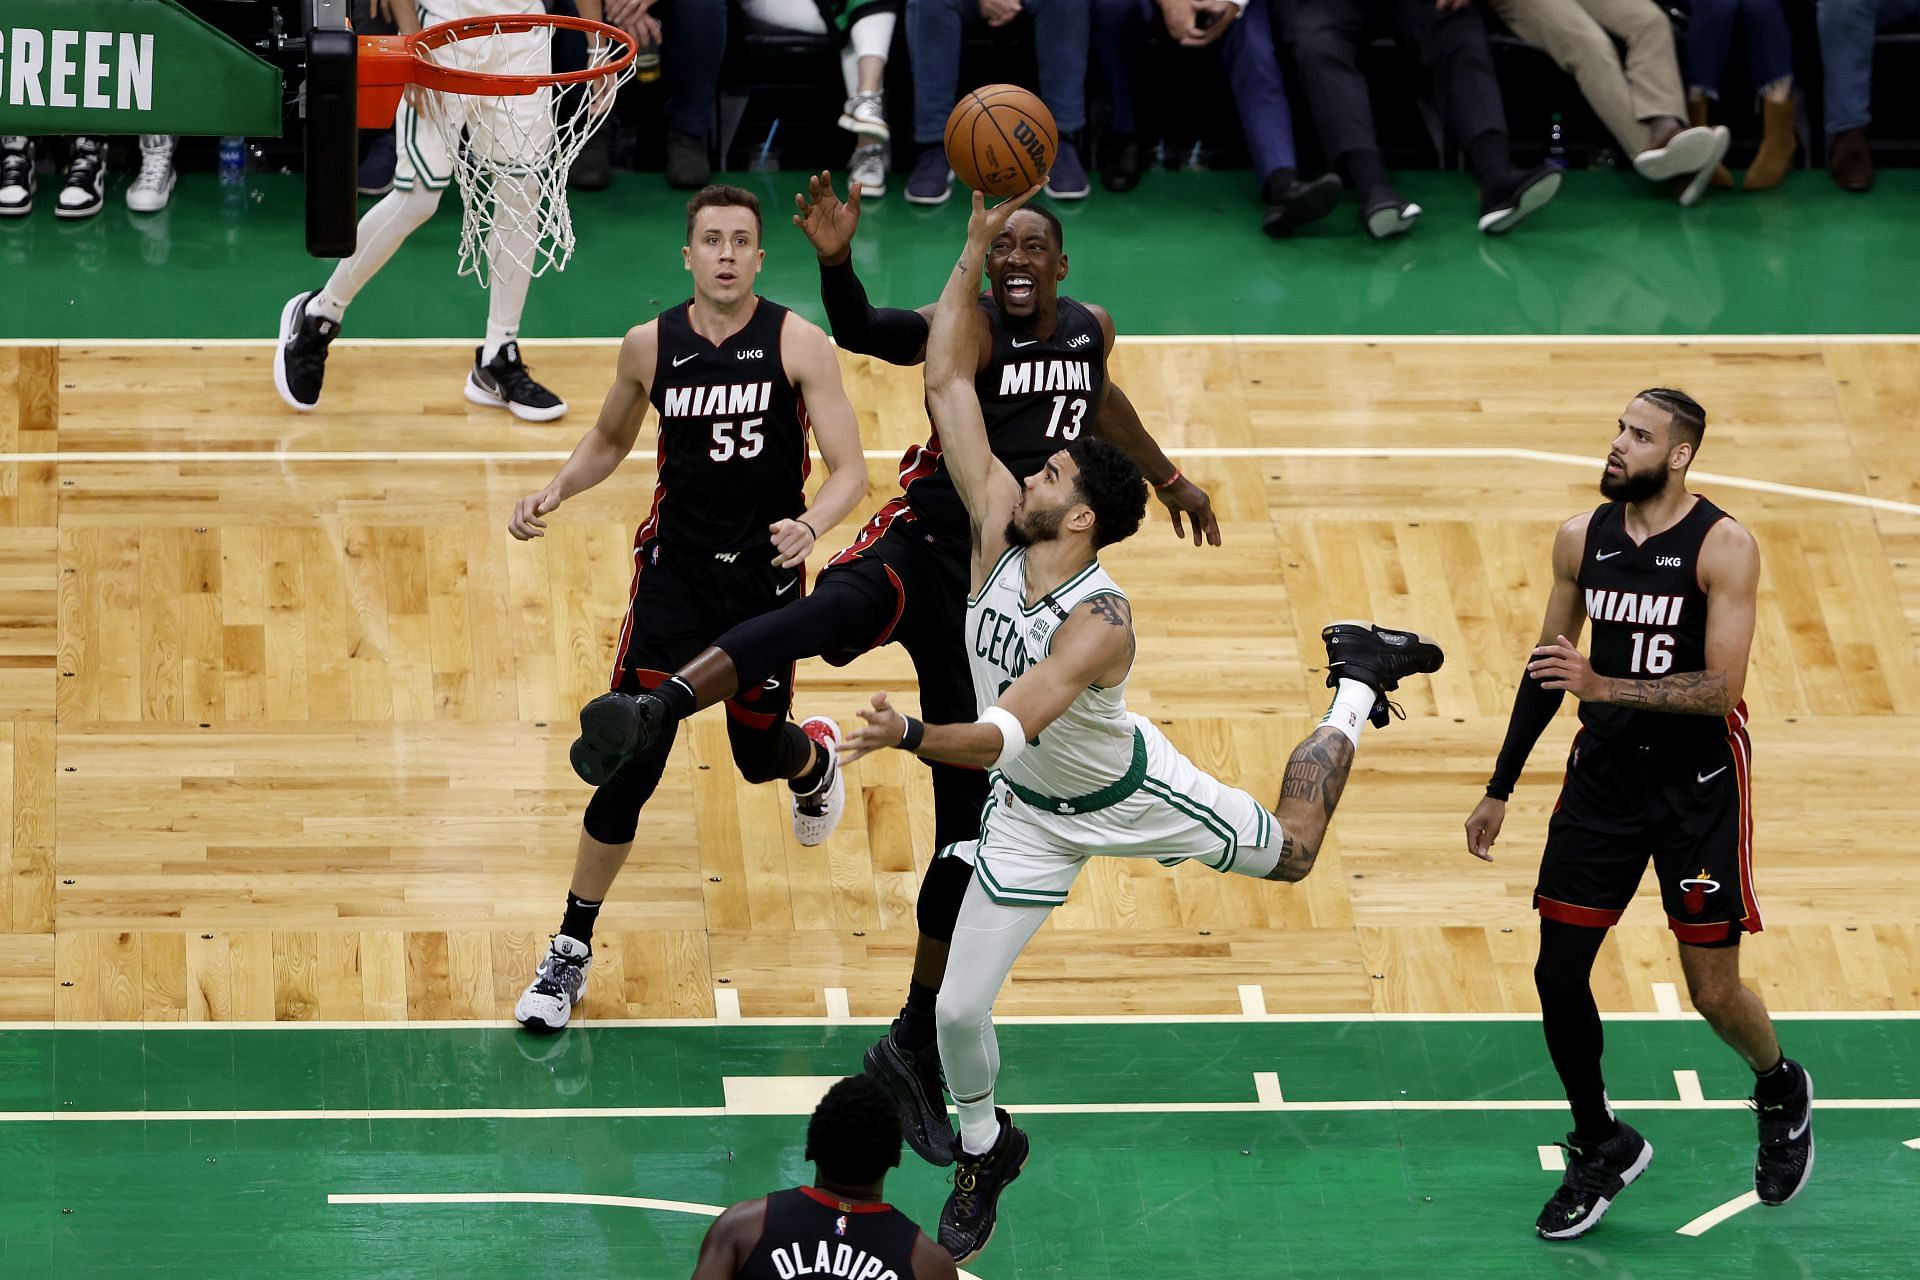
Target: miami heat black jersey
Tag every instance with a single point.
(810, 1233)
(1649, 618)
(1037, 397)
(733, 435)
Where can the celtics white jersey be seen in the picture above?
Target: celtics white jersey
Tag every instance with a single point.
(1094, 745)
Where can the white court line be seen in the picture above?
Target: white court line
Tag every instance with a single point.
(1266, 1086)
(1135, 340)
(1714, 1217)
(1912, 1142)
(1253, 1000)
(775, 1095)
(726, 1005)
(1688, 1084)
(1028, 1020)
(1666, 999)
(837, 1009)
(1274, 452)
(363, 1115)
(1553, 1159)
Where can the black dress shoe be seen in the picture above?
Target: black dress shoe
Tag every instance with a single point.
(1300, 203)
(1121, 172)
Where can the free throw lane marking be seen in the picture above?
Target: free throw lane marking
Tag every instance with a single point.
(1714, 1217)
(1666, 998)
(837, 1010)
(1688, 1083)
(726, 1004)
(1266, 1086)
(1553, 1159)
(1253, 1000)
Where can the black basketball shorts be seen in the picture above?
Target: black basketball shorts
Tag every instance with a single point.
(682, 600)
(1689, 813)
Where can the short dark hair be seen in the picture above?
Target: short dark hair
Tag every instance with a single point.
(721, 196)
(1686, 417)
(854, 1136)
(1110, 483)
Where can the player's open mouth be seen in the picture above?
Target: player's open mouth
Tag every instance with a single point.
(725, 277)
(1019, 287)
(1614, 468)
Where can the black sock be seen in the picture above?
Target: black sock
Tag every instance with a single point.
(808, 780)
(916, 1029)
(1777, 1083)
(1274, 189)
(678, 695)
(1364, 170)
(578, 922)
(1488, 157)
(1571, 1021)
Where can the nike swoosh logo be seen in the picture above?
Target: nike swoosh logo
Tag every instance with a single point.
(1709, 777)
(1605, 555)
(780, 591)
(680, 360)
(1029, 342)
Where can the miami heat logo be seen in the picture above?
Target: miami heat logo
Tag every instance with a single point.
(1696, 889)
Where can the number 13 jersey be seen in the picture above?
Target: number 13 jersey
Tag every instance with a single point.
(733, 436)
(1649, 617)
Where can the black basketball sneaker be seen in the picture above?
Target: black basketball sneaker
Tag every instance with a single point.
(1379, 658)
(504, 383)
(1785, 1161)
(300, 361)
(966, 1220)
(918, 1092)
(1596, 1175)
(614, 727)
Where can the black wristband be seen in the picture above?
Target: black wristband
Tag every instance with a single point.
(911, 735)
(809, 528)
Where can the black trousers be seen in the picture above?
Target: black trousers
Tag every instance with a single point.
(1326, 37)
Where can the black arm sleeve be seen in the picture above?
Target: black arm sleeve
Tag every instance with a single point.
(898, 337)
(1533, 710)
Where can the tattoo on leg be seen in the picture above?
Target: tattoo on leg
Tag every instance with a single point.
(1317, 771)
(1296, 859)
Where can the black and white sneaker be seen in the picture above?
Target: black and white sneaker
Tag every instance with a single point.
(919, 1092)
(1378, 657)
(967, 1219)
(86, 188)
(614, 728)
(16, 176)
(1506, 203)
(559, 984)
(1785, 1161)
(300, 361)
(504, 383)
(1596, 1175)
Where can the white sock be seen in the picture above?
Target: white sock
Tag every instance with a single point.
(510, 254)
(1352, 703)
(498, 336)
(979, 1126)
(326, 306)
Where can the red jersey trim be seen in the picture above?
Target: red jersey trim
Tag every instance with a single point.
(836, 1203)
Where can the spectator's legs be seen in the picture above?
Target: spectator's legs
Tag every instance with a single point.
(694, 41)
(1325, 37)
(1847, 29)
(1709, 38)
(1770, 56)
(1259, 94)
(1060, 39)
(1119, 28)
(863, 62)
(933, 41)
(1572, 36)
(1453, 47)
(1652, 64)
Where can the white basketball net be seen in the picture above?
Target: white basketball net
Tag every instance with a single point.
(511, 153)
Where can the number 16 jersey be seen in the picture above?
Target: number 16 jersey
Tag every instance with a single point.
(733, 435)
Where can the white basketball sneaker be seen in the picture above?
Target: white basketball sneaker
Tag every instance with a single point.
(817, 813)
(559, 984)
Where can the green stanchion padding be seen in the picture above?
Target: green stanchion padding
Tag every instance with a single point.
(128, 66)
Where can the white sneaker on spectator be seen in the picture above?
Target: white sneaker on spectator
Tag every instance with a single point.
(1687, 152)
(16, 176)
(866, 115)
(153, 185)
(868, 169)
(86, 188)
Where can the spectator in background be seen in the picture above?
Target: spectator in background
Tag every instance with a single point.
(934, 29)
(82, 193)
(692, 37)
(1243, 32)
(1638, 99)
(1450, 40)
(1769, 55)
(1847, 28)
(865, 30)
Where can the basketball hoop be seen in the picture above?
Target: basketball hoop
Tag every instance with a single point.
(512, 125)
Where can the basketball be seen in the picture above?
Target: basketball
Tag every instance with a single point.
(1001, 140)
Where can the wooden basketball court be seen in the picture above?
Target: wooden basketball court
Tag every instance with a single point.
(284, 710)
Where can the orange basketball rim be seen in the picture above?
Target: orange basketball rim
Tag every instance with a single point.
(388, 64)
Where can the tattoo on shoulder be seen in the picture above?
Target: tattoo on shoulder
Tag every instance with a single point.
(1113, 610)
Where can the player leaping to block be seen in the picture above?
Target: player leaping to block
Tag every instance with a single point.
(1075, 773)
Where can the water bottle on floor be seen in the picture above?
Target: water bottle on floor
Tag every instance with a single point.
(1556, 143)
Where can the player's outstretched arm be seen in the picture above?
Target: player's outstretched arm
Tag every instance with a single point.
(730, 1239)
(606, 443)
(1116, 421)
(1094, 646)
(813, 368)
(1535, 703)
(887, 333)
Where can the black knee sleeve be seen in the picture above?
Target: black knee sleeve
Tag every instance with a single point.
(941, 894)
(613, 815)
(762, 755)
(838, 616)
